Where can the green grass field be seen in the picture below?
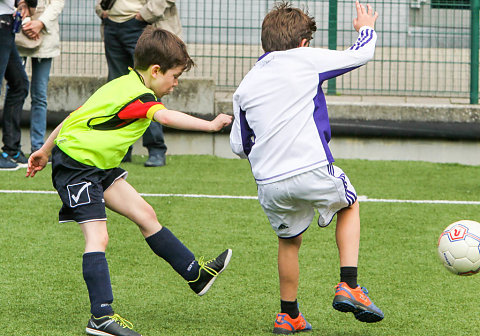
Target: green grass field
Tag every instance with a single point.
(43, 292)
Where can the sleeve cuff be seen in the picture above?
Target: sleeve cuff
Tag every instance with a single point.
(151, 111)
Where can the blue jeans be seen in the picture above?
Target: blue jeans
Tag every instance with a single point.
(38, 92)
(120, 40)
(11, 68)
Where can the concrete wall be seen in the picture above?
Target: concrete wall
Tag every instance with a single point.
(66, 94)
(362, 127)
(198, 96)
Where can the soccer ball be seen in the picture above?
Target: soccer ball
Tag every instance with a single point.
(459, 247)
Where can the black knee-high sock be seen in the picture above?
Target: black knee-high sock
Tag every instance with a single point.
(97, 278)
(349, 275)
(167, 246)
(290, 307)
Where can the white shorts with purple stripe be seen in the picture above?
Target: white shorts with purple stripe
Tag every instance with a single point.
(290, 204)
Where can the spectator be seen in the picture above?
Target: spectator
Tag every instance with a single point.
(17, 83)
(123, 21)
(46, 25)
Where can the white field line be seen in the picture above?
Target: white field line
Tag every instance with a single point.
(360, 198)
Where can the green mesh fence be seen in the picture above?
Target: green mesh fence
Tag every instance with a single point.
(423, 48)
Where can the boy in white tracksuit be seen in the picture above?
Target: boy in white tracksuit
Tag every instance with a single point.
(281, 125)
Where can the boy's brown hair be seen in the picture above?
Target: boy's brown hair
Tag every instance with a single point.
(159, 46)
(284, 27)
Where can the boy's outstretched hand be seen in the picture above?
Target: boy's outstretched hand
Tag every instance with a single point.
(36, 162)
(365, 17)
(220, 122)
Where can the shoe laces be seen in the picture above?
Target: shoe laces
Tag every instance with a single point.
(363, 289)
(122, 321)
(303, 322)
(203, 265)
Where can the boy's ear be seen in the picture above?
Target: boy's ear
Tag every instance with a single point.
(155, 70)
(304, 43)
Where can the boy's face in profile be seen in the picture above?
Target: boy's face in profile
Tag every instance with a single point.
(163, 83)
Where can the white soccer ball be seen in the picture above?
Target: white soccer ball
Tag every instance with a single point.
(459, 247)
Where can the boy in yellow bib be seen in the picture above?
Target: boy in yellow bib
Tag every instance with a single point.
(87, 148)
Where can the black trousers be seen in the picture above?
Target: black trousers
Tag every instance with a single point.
(120, 40)
(11, 68)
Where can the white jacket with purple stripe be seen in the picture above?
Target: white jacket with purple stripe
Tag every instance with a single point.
(281, 121)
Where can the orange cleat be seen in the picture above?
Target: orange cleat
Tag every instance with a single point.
(356, 301)
(285, 325)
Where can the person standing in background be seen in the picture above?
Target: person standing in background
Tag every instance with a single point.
(123, 21)
(17, 82)
(46, 25)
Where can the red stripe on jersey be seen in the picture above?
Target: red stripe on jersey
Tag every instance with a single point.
(136, 109)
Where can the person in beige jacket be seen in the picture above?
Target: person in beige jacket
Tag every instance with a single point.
(46, 26)
(122, 25)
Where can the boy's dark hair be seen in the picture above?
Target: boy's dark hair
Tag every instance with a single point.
(284, 27)
(159, 46)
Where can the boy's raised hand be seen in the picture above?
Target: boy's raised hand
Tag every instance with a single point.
(220, 122)
(365, 17)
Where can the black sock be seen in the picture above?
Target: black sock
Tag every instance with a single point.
(290, 308)
(349, 275)
(167, 246)
(97, 278)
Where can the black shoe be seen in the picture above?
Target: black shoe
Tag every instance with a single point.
(209, 271)
(114, 325)
(155, 160)
(20, 158)
(6, 162)
(128, 156)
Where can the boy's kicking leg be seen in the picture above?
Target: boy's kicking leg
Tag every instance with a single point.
(121, 197)
(97, 279)
(290, 320)
(349, 297)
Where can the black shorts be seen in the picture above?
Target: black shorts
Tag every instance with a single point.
(81, 187)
